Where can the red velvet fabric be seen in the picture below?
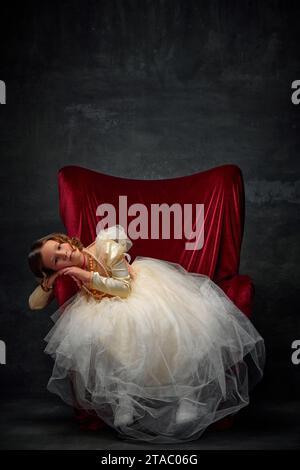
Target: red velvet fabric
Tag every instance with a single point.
(220, 189)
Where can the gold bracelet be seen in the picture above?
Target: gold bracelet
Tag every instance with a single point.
(46, 289)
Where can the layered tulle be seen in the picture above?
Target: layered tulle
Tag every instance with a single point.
(176, 336)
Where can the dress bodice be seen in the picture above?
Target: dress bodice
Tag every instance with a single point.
(99, 264)
(106, 257)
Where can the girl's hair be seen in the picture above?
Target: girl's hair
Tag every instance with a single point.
(35, 258)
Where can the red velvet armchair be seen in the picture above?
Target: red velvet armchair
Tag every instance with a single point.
(220, 189)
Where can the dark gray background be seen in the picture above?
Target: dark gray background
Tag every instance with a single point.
(151, 89)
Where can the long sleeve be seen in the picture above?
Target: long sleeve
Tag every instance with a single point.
(39, 298)
(120, 281)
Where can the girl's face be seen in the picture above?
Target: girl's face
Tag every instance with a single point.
(57, 255)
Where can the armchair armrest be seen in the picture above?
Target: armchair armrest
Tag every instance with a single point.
(240, 289)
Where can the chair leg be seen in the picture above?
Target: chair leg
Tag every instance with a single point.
(224, 423)
(87, 419)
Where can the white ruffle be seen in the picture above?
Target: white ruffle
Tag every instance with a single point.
(176, 338)
(116, 233)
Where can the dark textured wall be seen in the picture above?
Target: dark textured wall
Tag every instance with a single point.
(151, 89)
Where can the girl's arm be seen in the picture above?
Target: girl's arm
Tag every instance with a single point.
(39, 298)
(110, 285)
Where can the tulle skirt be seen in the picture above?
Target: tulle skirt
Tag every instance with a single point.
(162, 364)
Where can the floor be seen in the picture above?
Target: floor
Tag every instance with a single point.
(39, 423)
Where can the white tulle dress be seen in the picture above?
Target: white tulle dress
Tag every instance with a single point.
(161, 364)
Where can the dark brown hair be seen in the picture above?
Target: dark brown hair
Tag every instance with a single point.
(35, 258)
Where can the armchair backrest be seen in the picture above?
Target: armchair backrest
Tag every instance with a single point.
(220, 190)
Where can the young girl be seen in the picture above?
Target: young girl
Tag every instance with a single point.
(157, 352)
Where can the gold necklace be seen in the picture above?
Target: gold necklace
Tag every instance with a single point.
(94, 292)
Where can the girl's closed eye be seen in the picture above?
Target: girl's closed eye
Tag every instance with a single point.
(58, 249)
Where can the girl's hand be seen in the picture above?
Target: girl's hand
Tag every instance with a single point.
(80, 276)
(48, 282)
